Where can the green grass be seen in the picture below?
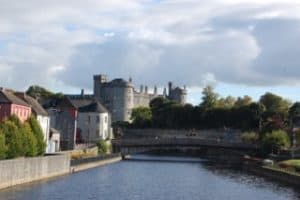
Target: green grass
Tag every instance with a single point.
(292, 163)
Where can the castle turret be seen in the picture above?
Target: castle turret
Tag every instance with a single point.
(98, 82)
(170, 87)
(155, 90)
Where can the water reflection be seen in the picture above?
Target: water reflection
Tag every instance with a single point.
(146, 178)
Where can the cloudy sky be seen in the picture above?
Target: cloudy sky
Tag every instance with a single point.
(239, 47)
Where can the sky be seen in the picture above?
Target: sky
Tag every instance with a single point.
(240, 47)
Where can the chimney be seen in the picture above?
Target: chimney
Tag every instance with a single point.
(130, 80)
(146, 89)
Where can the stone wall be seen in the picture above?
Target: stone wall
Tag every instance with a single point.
(25, 170)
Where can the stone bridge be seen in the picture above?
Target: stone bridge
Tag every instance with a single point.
(140, 145)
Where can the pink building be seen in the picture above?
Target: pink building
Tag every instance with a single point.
(11, 104)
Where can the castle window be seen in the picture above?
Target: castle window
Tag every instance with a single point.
(97, 119)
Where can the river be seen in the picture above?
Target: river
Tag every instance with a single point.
(154, 178)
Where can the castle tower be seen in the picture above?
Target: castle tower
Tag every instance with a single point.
(170, 88)
(98, 82)
(155, 90)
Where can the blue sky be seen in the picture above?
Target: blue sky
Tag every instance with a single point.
(240, 47)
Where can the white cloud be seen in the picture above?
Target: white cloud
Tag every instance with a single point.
(63, 43)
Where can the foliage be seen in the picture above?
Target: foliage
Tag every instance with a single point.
(275, 105)
(15, 119)
(13, 138)
(249, 137)
(294, 111)
(243, 101)
(275, 140)
(40, 92)
(39, 135)
(141, 117)
(103, 147)
(3, 147)
(209, 98)
(30, 141)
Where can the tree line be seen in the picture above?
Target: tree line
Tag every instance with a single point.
(19, 139)
(271, 116)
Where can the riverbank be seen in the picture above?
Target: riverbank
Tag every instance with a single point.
(88, 163)
(26, 170)
(256, 167)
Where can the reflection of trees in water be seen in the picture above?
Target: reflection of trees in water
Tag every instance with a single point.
(238, 174)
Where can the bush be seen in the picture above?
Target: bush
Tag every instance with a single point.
(103, 147)
(39, 135)
(249, 137)
(30, 142)
(2, 146)
(275, 140)
(13, 138)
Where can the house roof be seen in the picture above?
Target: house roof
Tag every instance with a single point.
(94, 106)
(77, 103)
(35, 105)
(7, 96)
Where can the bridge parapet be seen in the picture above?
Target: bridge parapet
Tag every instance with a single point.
(186, 142)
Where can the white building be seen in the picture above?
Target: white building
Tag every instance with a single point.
(94, 122)
(40, 114)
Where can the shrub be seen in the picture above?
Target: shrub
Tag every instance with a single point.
(39, 135)
(103, 147)
(13, 138)
(30, 142)
(2, 146)
(249, 137)
(275, 140)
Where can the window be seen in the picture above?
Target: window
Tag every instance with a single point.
(89, 119)
(105, 119)
(97, 119)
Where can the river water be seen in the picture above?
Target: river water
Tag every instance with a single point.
(154, 178)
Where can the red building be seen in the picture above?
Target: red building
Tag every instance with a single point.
(11, 104)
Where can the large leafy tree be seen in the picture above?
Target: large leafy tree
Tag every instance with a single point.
(209, 98)
(3, 147)
(31, 147)
(13, 138)
(38, 133)
(275, 105)
(141, 117)
(243, 101)
(294, 111)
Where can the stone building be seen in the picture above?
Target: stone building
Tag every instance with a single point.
(120, 97)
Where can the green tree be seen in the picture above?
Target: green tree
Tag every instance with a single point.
(274, 141)
(141, 117)
(38, 133)
(103, 147)
(13, 139)
(209, 98)
(15, 119)
(243, 101)
(40, 92)
(294, 111)
(275, 105)
(30, 141)
(227, 102)
(3, 148)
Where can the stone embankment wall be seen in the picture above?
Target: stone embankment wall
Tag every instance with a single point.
(25, 170)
